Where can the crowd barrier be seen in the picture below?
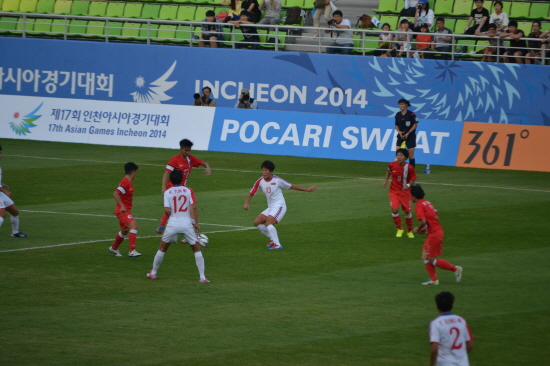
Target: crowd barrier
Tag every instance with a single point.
(269, 133)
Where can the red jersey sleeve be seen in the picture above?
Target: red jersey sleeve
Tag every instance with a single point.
(172, 164)
(195, 162)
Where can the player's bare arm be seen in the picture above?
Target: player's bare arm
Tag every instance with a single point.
(433, 354)
(167, 211)
(247, 201)
(164, 181)
(420, 226)
(116, 195)
(5, 189)
(298, 188)
(410, 131)
(195, 216)
(398, 131)
(469, 346)
(388, 173)
(410, 184)
(207, 170)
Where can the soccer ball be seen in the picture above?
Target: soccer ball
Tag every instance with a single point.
(203, 240)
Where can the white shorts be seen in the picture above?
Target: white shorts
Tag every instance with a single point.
(5, 200)
(278, 212)
(171, 234)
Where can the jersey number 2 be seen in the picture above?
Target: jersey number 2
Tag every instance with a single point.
(181, 209)
(456, 336)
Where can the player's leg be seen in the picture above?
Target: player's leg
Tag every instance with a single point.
(132, 237)
(14, 212)
(2, 214)
(260, 221)
(406, 205)
(159, 257)
(199, 260)
(411, 144)
(121, 235)
(394, 205)
(430, 268)
(276, 214)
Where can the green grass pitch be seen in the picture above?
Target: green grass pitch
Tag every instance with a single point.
(344, 291)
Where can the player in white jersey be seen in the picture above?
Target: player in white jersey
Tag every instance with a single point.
(8, 205)
(450, 335)
(272, 186)
(180, 205)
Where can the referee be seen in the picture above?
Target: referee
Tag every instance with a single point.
(405, 124)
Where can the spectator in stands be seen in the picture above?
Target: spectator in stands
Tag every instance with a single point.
(250, 34)
(494, 42)
(211, 33)
(343, 42)
(423, 15)
(385, 46)
(545, 40)
(442, 39)
(253, 9)
(409, 9)
(423, 41)
(235, 7)
(203, 100)
(245, 101)
(404, 40)
(326, 9)
(499, 18)
(480, 16)
(272, 11)
(535, 51)
(517, 45)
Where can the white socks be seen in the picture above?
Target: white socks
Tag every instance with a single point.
(157, 261)
(264, 230)
(14, 224)
(200, 264)
(273, 234)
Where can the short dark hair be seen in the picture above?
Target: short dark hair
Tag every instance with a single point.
(210, 13)
(444, 301)
(417, 192)
(185, 143)
(207, 87)
(534, 21)
(513, 23)
(498, 2)
(405, 152)
(338, 12)
(268, 165)
(383, 25)
(424, 25)
(403, 100)
(176, 176)
(245, 12)
(404, 21)
(130, 167)
(492, 26)
(440, 19)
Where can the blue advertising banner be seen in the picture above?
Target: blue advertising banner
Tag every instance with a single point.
(284, 81)
(329, 136)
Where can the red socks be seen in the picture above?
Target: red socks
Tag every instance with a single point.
(431, 270)
(443, 264)
(409, 222)
(397, 221)
(118, 240)
(132, 237)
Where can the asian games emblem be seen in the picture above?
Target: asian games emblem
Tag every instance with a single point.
(155, 93)
(22, 125)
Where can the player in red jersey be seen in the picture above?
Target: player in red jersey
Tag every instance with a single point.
(433, 246)
(123, 210)
(183, 162)
(402, 178)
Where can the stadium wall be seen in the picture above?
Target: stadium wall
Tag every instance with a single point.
(333, 136)
(282, 81)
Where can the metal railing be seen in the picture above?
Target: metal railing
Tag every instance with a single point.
(187, 33)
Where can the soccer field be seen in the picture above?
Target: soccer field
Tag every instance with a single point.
(344, 291)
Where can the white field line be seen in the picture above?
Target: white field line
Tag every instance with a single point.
(111, 216)
(296, 174)
(111, 239)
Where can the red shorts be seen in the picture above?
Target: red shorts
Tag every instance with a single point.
(124, 219)
(403, 198)
(434, 244)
